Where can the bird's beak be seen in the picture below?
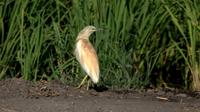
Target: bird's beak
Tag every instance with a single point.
(99, 29)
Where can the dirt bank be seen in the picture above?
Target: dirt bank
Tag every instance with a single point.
(17, 95)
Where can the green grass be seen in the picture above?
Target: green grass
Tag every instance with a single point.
(144, 43)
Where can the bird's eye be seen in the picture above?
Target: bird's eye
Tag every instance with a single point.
(94, 29)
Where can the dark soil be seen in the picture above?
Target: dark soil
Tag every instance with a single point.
(17, 95)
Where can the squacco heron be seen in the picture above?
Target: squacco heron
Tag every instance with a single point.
(86, 55)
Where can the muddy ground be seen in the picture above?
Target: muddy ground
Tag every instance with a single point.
(17, 95)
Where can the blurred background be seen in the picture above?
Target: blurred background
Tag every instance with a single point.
(144, 44)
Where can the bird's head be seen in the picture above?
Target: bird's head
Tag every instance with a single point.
(86, 32)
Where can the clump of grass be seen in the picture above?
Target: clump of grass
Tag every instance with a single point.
(188, 28)
(144, 43)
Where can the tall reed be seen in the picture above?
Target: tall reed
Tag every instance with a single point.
(143, 43)
(188, 26)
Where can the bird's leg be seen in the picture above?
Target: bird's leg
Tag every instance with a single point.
(83, 81)
(88, 84)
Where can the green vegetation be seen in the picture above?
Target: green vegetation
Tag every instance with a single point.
(144, 42)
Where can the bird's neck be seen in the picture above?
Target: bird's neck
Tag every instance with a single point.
(83, 36)
(81, 39)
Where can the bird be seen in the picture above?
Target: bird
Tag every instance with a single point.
(86, 55)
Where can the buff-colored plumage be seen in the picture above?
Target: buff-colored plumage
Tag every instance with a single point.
(86, 54)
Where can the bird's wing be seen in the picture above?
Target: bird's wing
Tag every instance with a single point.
(89, 60)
